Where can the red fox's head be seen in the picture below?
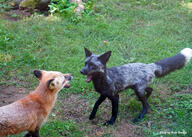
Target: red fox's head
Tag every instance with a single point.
(53, 80)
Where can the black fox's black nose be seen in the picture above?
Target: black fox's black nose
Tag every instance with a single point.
(82, 72)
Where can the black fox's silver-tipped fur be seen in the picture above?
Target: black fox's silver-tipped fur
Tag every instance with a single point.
(110, 81)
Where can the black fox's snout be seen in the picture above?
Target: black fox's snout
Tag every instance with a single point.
(84, 71)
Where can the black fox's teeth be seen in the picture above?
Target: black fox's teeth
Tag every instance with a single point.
(89, 77)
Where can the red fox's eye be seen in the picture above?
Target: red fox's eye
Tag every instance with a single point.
(52, 84)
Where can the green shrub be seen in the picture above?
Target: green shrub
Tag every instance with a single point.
(67, 9)
(63, 7)
(5, 4)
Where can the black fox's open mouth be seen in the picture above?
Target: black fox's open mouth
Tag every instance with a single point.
(89, 78)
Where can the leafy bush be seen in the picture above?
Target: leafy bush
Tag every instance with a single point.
(67, 8)
(62, 7)
(5, 4)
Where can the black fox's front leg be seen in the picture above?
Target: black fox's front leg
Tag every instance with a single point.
(143, 99)
(98, 102)
(33, 134)
(115, 103)
(28, 135)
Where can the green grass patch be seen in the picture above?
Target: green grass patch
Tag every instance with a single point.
(61, 128)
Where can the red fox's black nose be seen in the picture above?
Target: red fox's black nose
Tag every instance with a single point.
(69, 77)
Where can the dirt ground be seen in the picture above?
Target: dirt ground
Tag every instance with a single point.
(16, 14)
(75, 107)
(11, 94)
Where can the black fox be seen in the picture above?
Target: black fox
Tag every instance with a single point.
(110, 81)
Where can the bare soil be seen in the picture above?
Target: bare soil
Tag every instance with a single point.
(15, 15)
(75, 107)
(11, 94)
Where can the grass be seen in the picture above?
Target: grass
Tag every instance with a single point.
(135, 31)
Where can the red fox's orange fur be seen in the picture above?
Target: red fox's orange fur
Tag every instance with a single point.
(28, 113)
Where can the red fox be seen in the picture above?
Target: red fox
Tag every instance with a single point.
(29, 113)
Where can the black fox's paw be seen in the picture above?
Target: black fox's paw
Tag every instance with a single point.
(135, 120)
(91, 117)
(108, 123)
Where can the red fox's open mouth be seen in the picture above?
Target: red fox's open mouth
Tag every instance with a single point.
(89, 78)
(68, 77)
(67, 85)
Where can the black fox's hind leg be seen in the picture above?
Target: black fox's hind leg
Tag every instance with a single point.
(149, 91)
(98, 102)
(143, 99)
(115, 103)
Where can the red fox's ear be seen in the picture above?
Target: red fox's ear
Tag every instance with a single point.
(51, 84)
(37, 73)
(87, 52)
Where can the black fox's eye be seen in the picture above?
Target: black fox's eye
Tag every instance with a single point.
(93, 66)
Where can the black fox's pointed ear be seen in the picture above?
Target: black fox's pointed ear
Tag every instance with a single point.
(105, 57)
(37, 73)
(87, 52)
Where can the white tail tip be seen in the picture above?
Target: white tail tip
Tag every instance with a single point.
(187, 52)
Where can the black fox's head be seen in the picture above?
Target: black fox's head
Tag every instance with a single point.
(94, 64)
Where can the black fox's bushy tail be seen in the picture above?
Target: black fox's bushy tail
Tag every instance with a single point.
(173, 63)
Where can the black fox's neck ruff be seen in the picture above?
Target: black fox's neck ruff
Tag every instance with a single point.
(100, 82)
(99, 76)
